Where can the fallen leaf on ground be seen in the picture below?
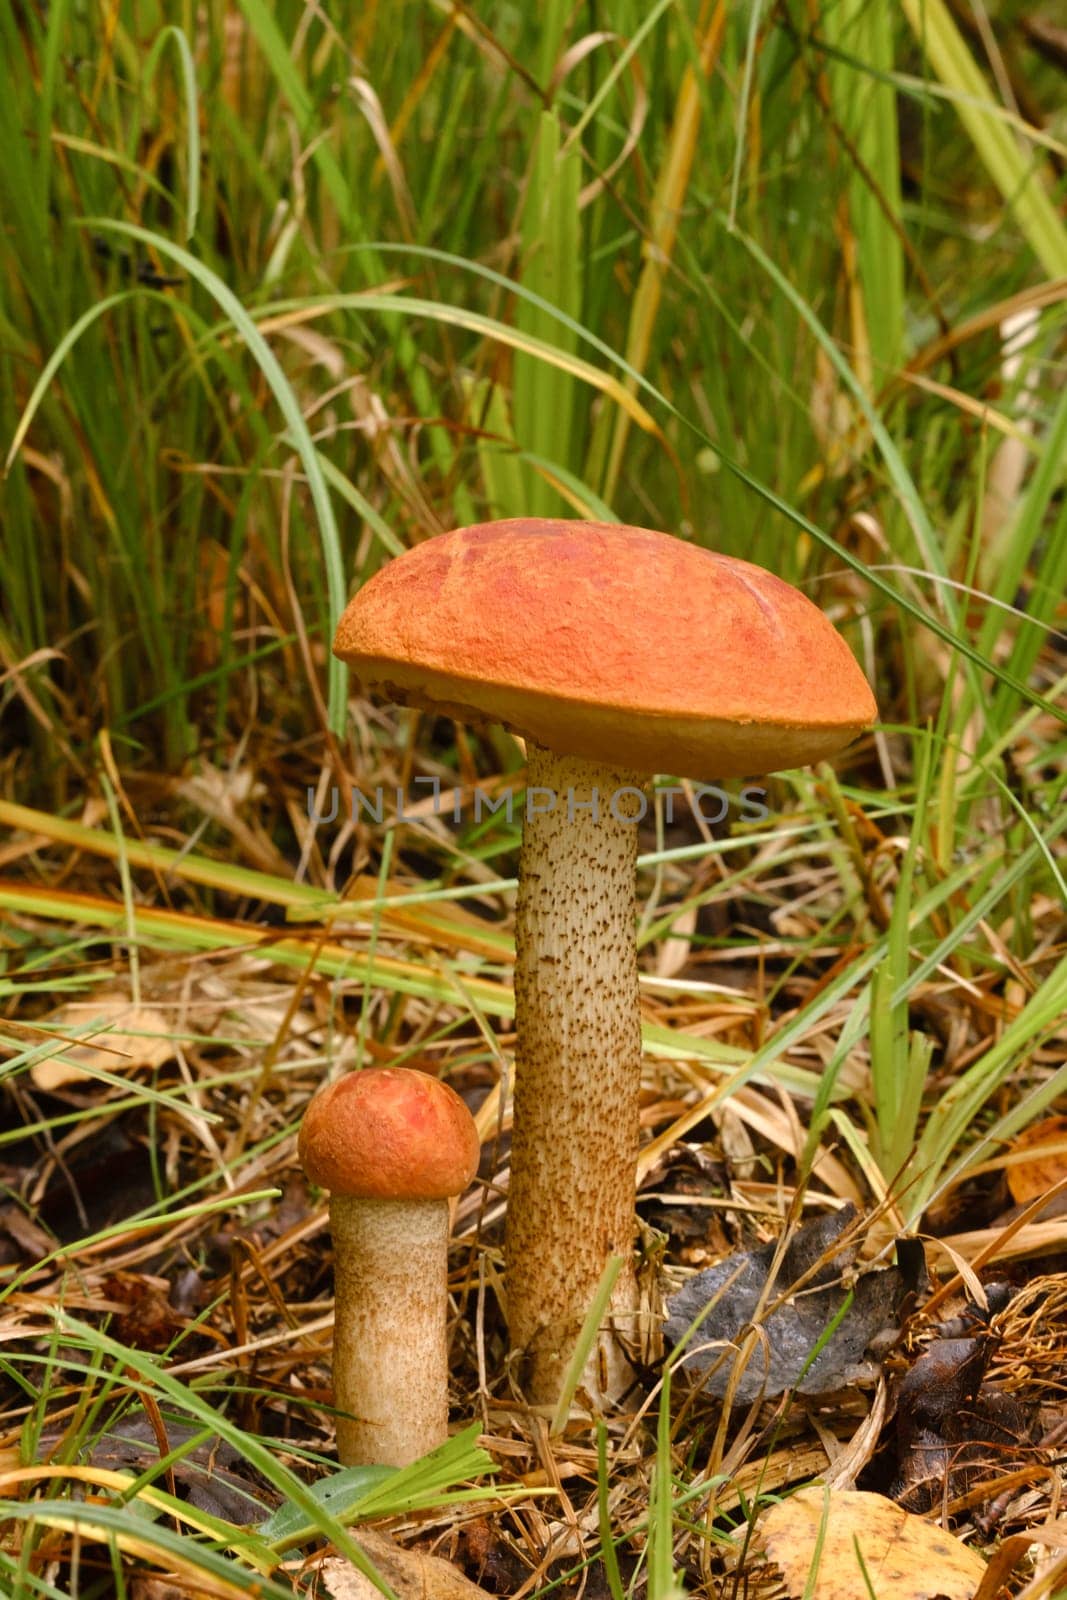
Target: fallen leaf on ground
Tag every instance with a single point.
(111, 1034)
(212, 1476)
(1046, 1164)
(411, 1574)
(735, 1289)
(866, 1546)
(953, 1431)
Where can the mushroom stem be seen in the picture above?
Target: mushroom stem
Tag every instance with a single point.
(577, 1067)
(390, 1359)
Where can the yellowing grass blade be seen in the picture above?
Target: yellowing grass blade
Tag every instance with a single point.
(186, 931)
(1018, 176)
(667, 203)
(864, 104)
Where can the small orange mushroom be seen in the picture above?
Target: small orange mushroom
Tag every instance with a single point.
(392, 1146)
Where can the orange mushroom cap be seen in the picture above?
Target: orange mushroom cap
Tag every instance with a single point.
(614, 643)
(389, 1133)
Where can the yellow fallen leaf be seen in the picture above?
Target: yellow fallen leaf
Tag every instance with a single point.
(1046, 1143)
(903, 1556)
(108, 1032)
(410, 1574)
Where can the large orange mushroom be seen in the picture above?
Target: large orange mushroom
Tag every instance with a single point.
(616, 653)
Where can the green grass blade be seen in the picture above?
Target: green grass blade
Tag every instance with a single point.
(543, 400)
(228, 303)
(187, 68)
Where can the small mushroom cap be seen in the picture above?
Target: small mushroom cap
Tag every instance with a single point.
(389, 1133)
(617, 644)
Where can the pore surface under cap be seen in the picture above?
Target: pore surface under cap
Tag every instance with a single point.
(614, 643)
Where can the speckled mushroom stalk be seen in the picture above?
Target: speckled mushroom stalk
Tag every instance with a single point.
(393, 1146)
(390, 1372)
(577, 1065)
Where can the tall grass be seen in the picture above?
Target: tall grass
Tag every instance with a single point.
(283, 156)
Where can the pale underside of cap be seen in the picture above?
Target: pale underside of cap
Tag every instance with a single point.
(617, 644)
